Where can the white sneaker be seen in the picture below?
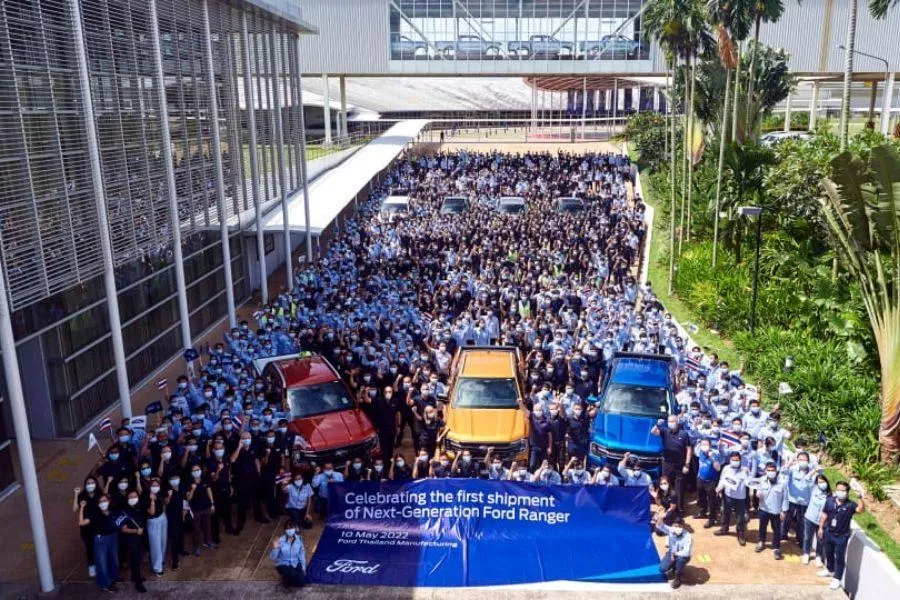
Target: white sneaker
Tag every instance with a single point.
(92, 571)
(804, 559)
(825, 573)
(819, 562)
(835, 584)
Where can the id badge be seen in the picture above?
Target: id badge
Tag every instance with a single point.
(834, 523)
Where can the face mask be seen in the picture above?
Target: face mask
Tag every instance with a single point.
(803, 465)
(467, 459)
(290, 532)
(822, 485)
(673, 426)
(676, 530)
(773, 425)
(246, 441)
(604, 475)
(736, 427)
(103, 505)
(195, 474)
(254, 428)
(523, 472)
(379, 468)
(282, 430)
(175, 482)
(553, 412)
(704, 449)
(664, 487)
(166, 455)
(154, 489)
(192, 447)
(197, 432)
(124, 438)
(497, 466)
(228, 427)
(123, 485)
(113, 457)
(754, 410)
(771, 475)
(270, 440)
(745, 443)
(735, 464)
(219, 452)
(445, 463)
(401, 463)
(840, 495)
(576, 413)
(357, 466)
(145, 472)
(89, 488)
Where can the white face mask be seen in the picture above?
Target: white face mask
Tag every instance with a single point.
(123, 485)
(132, 501)
(89, 488)
(822, 485)
(840, 495)
(103, 505)
(154, 489)
(664, 487)
(676, 530)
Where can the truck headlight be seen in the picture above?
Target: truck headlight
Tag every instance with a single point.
(597, 449)
(521, 445)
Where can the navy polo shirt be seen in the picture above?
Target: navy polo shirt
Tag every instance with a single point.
(838, 516)
(675, 444)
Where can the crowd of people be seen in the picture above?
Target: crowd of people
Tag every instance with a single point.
(388, 304)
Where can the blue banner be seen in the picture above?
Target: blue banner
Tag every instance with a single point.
(469, 532)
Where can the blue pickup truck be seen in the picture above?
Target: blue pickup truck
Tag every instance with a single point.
(638, 390)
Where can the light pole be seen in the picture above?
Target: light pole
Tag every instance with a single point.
(887, 76)
(754, 211)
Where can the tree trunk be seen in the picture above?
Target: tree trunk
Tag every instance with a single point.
(751, 77)
(690, 152)
(684, 153)
(723, 128)
(848, 74)
(889, 436)
(737, 94)
(671, 105)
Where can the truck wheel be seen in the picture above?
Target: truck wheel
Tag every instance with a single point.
(492, 52)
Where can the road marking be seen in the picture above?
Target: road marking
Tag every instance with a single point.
(792, 558)
(704, 558)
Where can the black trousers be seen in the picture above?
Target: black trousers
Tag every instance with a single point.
(794, 518)
(707, 499)
(247, 497)
(407, 420)
(765, 519)
(134, 546)
(676, 479)
(291, 576)
(222, 498)
(386, 438)
(270, 495)
(175, 533)
(739, 508)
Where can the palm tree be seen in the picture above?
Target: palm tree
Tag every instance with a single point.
(763, 10)
(861, 207)
(663, 21)
(879, 10)
(731, 19)
(745, 167)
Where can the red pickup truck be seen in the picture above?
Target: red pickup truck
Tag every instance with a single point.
(322, 411)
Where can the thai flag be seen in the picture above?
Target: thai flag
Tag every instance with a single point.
(162, 384)
(105, 424)
(731, 439)
(236, 419)
(257, 314)
(693, 364)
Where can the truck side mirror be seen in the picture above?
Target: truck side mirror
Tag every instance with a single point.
(592, 400)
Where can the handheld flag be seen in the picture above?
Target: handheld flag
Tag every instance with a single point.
(694, 365)
(153, 407)
(92, 442)
(139, 423)
(105, 424)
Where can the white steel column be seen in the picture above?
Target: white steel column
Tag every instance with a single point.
(217, 164)
(303, 157)
(655, 99)
(636, 99)
(887, 102)
(813, 105)
(23, 438)
(583, 105)
(282, 168)
(787, 113)
(109, 274)
(250, 101)
(621, 100)
(171, 190)
(343, 87)
(326, 109)
(615, 98)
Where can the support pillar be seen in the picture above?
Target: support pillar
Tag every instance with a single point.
(303, 176)
(656, 99)
(217, 165)
(326, 109)
(887, 102)
(109, 274)
(171, 190)
(616, 96)
(583, 105)
(343, 87)
(636, 99)
(813, 105)
(254, 159)
(787, 113)
(282, 168)
(871, 118)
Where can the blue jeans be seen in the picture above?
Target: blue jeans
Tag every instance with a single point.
(810, 531)
(677, 562)
(106, 559)
(765, 519)
(836, 553)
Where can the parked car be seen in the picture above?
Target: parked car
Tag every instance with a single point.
(322, 410)
(511, 205)
(486, 404)
(394, 208)
(541, 46)
(639, 390)
(454, 205)
(568, 205)
(611, 46)
(469, 46)
(403, 47)
(774, 138)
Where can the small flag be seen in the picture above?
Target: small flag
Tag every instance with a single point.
(105, 424)
(153, 407)
(92, 442)
(693, 328)
(693, 364)
(736, 380)
(257, 314)
(283, 479)
(162, 384)
(236, 418)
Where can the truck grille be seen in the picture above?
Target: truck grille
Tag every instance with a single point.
(504, 451)
(337, 456)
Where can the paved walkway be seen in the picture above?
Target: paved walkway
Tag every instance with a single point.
(240, 567)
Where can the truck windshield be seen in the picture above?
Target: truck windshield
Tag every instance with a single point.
(486, 393)
(318, 399)
(636, 400)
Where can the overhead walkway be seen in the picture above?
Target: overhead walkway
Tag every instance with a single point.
(333, 191)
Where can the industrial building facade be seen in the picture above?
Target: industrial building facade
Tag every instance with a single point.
(49, 228)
